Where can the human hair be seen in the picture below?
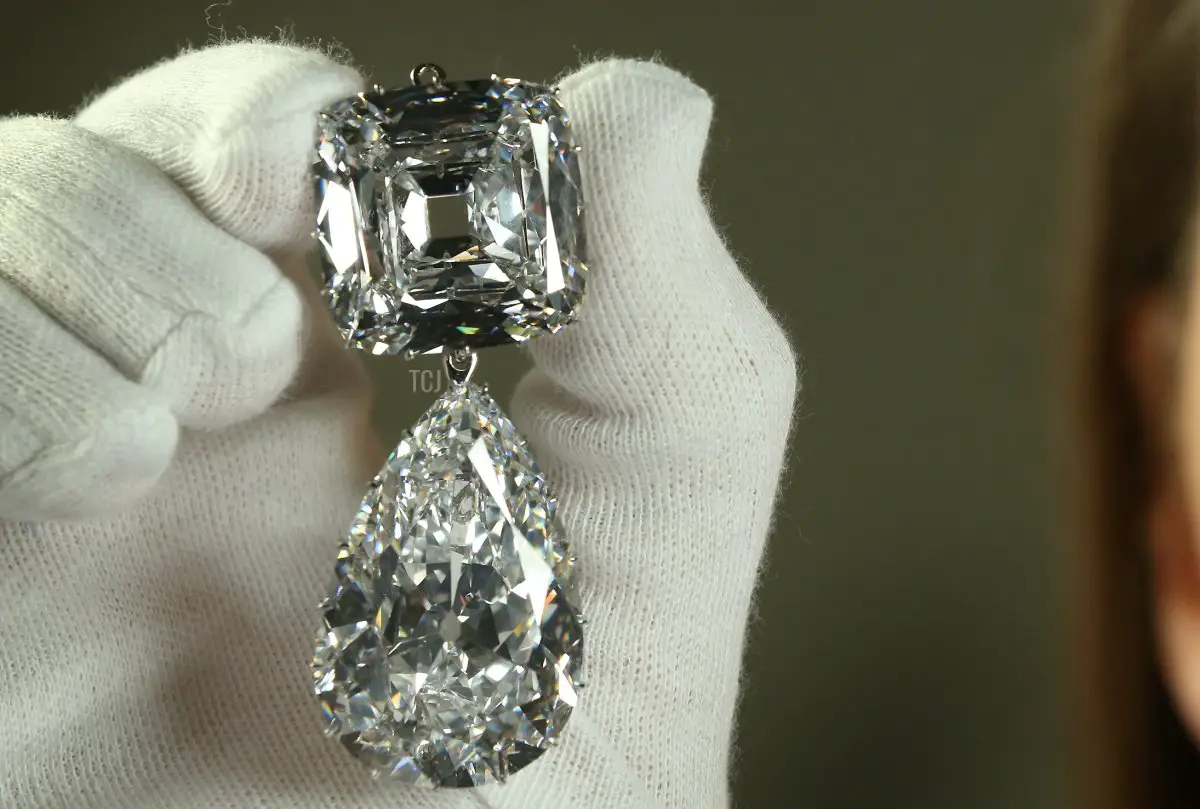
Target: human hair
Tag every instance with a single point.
(1137, 204)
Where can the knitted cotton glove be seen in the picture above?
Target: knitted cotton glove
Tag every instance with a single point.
(183, 443)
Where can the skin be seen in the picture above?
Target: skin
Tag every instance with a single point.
(1165, 366)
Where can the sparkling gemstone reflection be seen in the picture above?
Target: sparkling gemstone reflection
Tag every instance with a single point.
(450, 651)
(450, 215)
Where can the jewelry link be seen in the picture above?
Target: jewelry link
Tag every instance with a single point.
(460, 364)
(427, 73)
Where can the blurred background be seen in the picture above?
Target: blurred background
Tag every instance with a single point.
(892, 176)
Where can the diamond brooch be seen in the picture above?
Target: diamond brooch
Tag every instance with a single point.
(450, 217)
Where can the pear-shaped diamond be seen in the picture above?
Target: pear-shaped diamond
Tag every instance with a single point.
(450, 652)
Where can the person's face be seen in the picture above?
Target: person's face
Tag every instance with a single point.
(1165, 361)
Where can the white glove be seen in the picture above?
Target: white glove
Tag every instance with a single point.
(179, 454)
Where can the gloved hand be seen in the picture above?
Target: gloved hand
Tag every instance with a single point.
(183, 442)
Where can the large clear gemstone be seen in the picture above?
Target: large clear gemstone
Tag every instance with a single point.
(450, 651)
(450, 215)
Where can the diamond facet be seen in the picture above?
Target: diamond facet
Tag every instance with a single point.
(450, 651)
(450, 215)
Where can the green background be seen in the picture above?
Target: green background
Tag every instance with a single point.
(890, 174)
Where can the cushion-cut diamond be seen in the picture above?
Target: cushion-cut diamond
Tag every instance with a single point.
(450, 215)
(450, 652)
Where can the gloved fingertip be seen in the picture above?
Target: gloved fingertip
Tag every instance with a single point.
(234, 126)
(632, 111)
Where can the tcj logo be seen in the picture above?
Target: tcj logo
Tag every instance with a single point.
(425, 380)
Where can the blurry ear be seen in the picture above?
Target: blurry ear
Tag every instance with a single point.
(1155, 345)
(1177, 598)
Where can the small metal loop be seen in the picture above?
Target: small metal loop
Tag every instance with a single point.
(460, 364)
(427, 73)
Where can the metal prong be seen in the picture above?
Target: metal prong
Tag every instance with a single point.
(555, 90)
(427, 73)
(460, 364)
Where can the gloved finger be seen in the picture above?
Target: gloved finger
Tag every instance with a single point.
(661, 417)
(670, 330)
(667, 309)
(105, 244)
(77, 438)
(234, 126)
